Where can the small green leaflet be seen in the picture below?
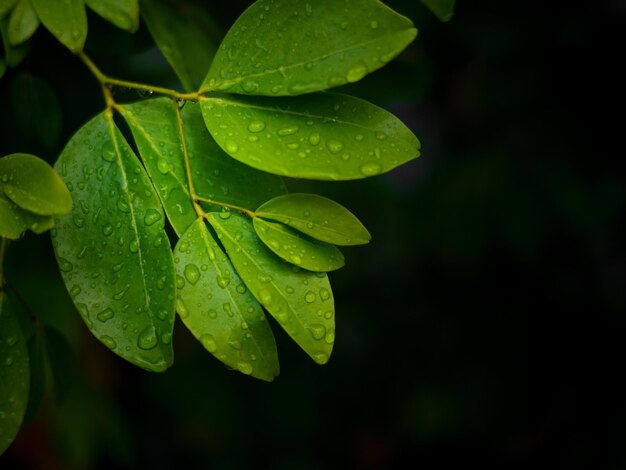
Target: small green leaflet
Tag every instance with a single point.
(301, 301)
(318, 217)
(23, 22)
(14, 220)
(33, 185)
(66, 20)
(323, 136)
(298, 249)
(14, 375)
(181, 38)
(122, 13)
(112, 250)
(216, 306)
(284, 47)
(443, 9)
(13, 55)
(217, 176)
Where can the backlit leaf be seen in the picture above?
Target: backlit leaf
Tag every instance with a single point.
(215, 305)
(282, 47)
(122, 13)
(322, 136)
(14, 220)
(318, 217)
(301, 301)
(112, 250)
(33, 185)
(66, 20)
(443, 9)
(216, 176)
(298, 249)
(23, 22)
(185, 44)
(14, 375)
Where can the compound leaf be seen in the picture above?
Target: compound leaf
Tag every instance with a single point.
(301, 301)
(217, 308)
(184, 43)
(14, 220)
(33, 185)
(443, 9)
(14, 374)
(112, 250)
(298, 249)
(66, 20)
(322, 136)
(317, 216)
(122, 13)
(23, 22)
(216, 176)
(282, 47)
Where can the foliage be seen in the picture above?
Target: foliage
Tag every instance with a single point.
(255, 108)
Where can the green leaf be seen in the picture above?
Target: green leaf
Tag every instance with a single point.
(37, 361)
(112, 249)
(66, 20)
(6, 6)
(14, 375)
(33, 185)
(217, 308)
(13, 55)
(3, 67)
(301, 301)
(60, 359)
(183, 42)
(318, 217)
(122, 13)
(443, 9)
(37, 109)
(323, 136)
(216, 176)
(297, 248)
(282, 47)
(23, 22)
(14, 220)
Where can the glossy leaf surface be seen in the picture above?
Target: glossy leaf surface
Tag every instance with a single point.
(298, 249)
(23, 22)
(14, 374)
(220, 312)
(318, 217)
(282, 47)
(33, 185)
(122, 13)
(301, 301)
(323, 136)
(14, 220)
(216, 176)
(184, 44)
(443, 9)
(66, 20)
(112, 250)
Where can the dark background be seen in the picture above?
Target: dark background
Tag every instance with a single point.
(484, 323)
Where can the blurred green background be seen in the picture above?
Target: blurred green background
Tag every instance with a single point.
(484, 323)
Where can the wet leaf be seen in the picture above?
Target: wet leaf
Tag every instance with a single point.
(443, 9)
(216, 176)
(282, 47)
(298, 249)
(215, 305)
(184, 43)
(122, 13)
(112, 250)
(301, 301)
(318, 217)
(14, 220)
(14, 375)
(23, 22)
(323, 136)
(33, 185)
(66, 20)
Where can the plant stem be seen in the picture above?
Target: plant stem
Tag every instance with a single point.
(248, 212)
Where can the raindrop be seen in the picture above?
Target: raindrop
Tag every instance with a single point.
(296, 259)
(108, 152)
(65, 265)
(181, 308)
(105, 315)
(222, 281)
(370, 169)
(108, 342)
(147, 339)
(285, 131)
(180, 282)
(374, 24)
(334, 146)
(309, 297)
(192, 273)
(330, 337)
(163, 166)
(314, 139)
(317, 331)
(107, 230)
(133, 246)
(152, 216)
(244, 367)
(256, 126)
(324, 294)
(265, 297)
(249, 86)
(75, 291)
(231, 146)
(166, 338)
(356, 72)
(320, 358)
(208, 342)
